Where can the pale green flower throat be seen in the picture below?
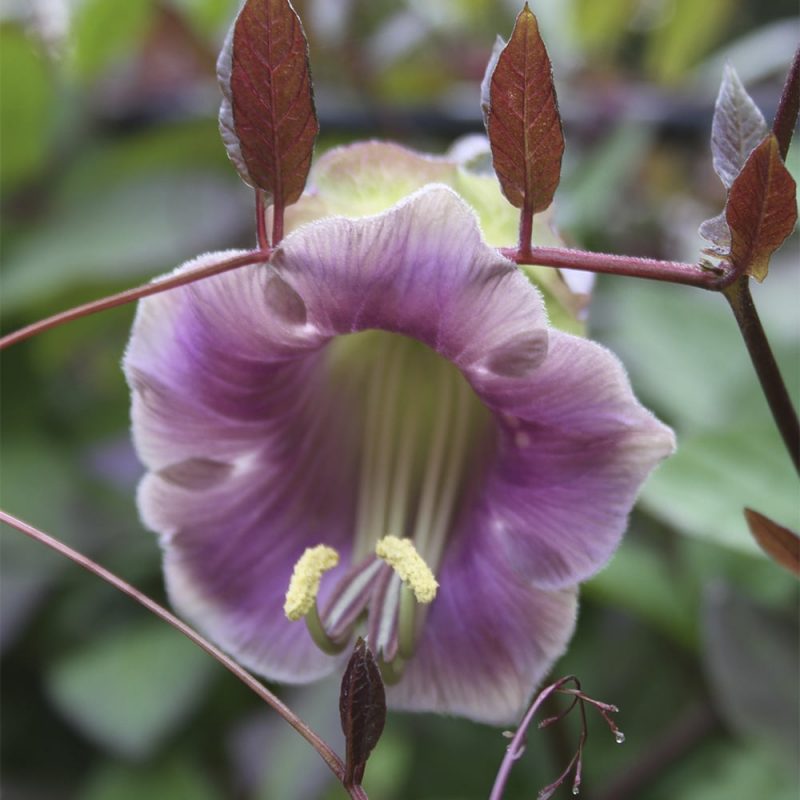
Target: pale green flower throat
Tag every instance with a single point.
(423, 434)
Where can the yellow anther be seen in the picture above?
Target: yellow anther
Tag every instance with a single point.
(304, 584)
(403, 558)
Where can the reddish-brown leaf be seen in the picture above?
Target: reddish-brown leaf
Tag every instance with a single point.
(523, 122)
(761, 210)
(362, 708)
(267, 118)
(779, 543)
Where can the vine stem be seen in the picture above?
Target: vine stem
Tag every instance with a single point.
(525, 229)
(653, 269)
(563, 258)
(788, 107)
(331, 759)
(769, 375)
(278, 210)
(737, 292)
(517, 746)
(131, 295)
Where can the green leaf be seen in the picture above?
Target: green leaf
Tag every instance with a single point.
(687, 362)
(689, 31)
(752, 660)
(605, 173)
(601, 26)
(134, 229)
(726, 771)
(175, 780)
(638, 580)
(129, 689)
(25, 111)
(104, 33)
(523, 121)
(703, 488)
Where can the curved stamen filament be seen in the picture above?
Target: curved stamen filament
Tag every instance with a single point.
(372, 427)
(396, 356)
(421, 422)
(345, 608)
(407, 622)
(419, 586)
(453, 476)
(433, 467)
(328, 644)
(384, 625)
(401, 485)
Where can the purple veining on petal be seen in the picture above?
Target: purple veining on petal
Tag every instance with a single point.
(235, 395)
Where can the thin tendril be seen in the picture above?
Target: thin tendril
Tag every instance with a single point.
(331, 759)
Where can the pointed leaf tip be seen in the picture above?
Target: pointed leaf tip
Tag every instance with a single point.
(267, 118)
(737, 129)
(522, 118)
(779, 543)
(362, 708)
(761, 210)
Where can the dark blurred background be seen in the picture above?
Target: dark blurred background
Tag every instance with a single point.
(113, 172)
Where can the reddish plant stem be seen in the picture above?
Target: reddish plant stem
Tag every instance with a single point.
(261, 221)
(277, 222)
(737, 292)
(331, 759)
(131, 295)
(525, 229)
(788, 107)
(630, 266)
(517, 746)
(772, 384)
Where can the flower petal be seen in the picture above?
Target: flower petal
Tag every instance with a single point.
(420, 269)
(252, 449)
(246, 468)
(229, 579)
(488, 641)
(574, 448)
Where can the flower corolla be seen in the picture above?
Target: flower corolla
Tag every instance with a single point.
(388, 388)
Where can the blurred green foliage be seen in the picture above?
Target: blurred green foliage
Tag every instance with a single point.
(112, 172)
